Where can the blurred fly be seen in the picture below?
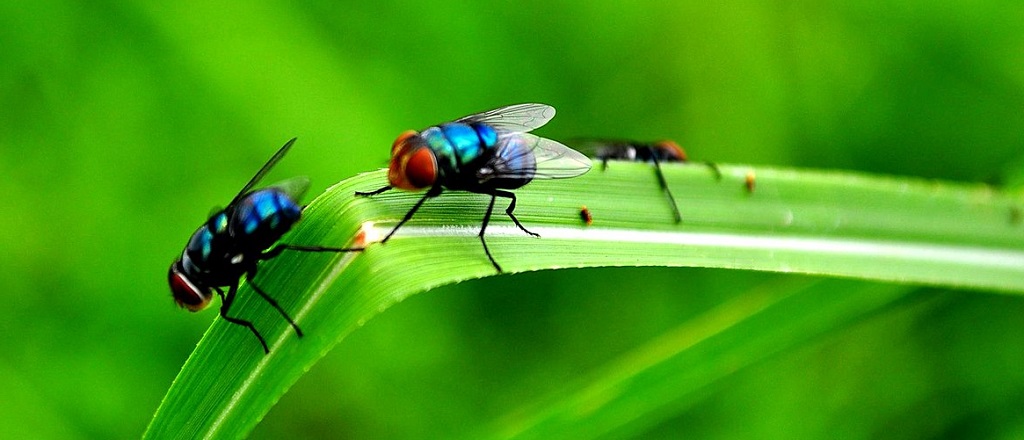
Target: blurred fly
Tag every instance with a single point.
(486, 153)
(653, 152)
(233, 242)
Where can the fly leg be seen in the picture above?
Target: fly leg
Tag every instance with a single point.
(433, 192)
(714, 169)
(487, 219)
(225, 305)
(495, 193)
(373, 193)
(276, 250)
(511, 208)
(664, 187)
(249, 278)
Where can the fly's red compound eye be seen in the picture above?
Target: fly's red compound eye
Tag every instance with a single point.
(186, 294)
(400, 140)
(413, 165)
(421, 168)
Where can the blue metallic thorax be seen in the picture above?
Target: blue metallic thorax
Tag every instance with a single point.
(460, 149)
(215, 251)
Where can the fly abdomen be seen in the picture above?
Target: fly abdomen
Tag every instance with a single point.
(263, 216)
(515, 163)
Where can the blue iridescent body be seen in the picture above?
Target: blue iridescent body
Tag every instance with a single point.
(463, 149)
(216, 253)
(234, 240)
(486, 153)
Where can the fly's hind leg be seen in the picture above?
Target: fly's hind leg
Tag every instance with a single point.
(495, 193)
(273, 303)
(511, 208)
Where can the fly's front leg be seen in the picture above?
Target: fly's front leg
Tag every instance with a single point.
(487, 219)
(374, 192)
(225, 305)
(433, 192)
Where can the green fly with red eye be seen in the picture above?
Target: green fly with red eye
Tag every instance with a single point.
(486, 153)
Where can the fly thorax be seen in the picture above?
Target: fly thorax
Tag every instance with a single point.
(465, 142)
(205, 247)
(488, 137)
(444, 152)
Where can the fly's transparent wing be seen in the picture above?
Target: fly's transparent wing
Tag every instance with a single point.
(606, 148)
(598, 147)
(263, 171)
(295, 187)
(518, 118)
(550, 159)
(556, 161)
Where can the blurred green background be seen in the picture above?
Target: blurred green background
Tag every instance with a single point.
(123, 124)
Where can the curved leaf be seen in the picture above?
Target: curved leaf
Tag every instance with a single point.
(829, 223)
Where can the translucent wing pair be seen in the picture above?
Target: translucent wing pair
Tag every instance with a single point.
(512, 123)
(295, 187)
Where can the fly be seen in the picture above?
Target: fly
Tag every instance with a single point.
(233, 242)
(653, 152)
(487, 153)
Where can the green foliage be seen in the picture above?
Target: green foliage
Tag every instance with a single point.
(124, 123)
(838, 224)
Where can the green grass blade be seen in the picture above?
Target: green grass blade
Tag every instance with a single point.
(665, 376)
(795, 221)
